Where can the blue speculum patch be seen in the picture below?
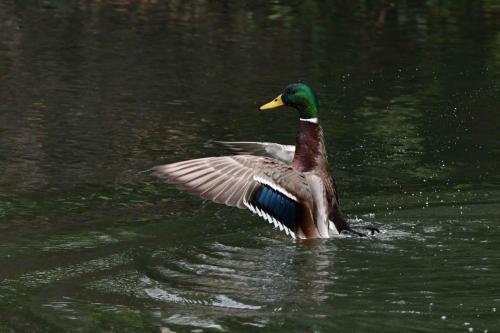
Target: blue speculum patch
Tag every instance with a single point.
(278, 205)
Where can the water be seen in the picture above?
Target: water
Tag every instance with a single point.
(94, 92)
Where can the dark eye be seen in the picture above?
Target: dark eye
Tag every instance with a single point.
(288, 91)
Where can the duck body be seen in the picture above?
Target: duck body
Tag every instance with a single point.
(289, 186)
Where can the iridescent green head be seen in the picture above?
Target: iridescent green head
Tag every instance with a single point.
(298, 96)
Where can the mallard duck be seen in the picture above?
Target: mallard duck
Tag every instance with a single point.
(289, 186)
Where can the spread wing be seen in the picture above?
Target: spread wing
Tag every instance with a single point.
(269, 188)
(283, 153)
(227, 180)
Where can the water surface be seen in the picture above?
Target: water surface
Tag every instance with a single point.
(95, 92)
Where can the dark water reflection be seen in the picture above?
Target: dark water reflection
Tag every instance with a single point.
(93, 92)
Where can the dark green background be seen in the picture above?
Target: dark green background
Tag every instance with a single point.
(92, 92)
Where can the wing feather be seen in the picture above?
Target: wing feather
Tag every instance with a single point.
(232, 180)
(212, 177)
(277, 151)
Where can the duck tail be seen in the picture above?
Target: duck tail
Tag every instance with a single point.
(341, 224)
(338, 220)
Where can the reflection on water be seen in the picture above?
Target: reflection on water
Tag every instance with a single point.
(260, 281)
(95, 91)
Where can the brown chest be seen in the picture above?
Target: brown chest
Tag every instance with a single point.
(307, 146)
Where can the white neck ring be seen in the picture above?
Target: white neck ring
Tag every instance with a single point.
(310, 120)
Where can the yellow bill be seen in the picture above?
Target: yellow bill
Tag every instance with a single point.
(272, 104)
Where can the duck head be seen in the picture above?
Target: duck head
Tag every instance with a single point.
(298, 96)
